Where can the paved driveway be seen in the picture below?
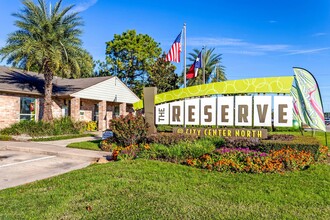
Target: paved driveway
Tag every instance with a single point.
(25, 162)
(17, 168)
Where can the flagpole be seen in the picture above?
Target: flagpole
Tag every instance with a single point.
(203, 63)
(184, 54)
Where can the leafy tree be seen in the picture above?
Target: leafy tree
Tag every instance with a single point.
(211, 61)
(102, 68)
(47, 40)
(130, 57)
(162, 75)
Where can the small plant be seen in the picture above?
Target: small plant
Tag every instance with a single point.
(91, 126)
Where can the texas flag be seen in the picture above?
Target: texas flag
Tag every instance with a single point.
(192, 73)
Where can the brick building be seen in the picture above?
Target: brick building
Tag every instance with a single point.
(87, 99)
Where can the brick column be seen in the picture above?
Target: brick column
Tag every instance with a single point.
(149, 108)
(75, 109)
(122, 109)
(102, 115)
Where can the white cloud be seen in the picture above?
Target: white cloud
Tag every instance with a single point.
(200, 41)
(237, 46)
(319, 34)
(272, 47)
(240, 46)
(295, 52)
(272, 21)
(84, 5)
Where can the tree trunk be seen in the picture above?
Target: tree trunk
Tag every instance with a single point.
(48, 114)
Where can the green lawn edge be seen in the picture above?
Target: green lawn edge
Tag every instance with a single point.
(86, 145)
(143, 189)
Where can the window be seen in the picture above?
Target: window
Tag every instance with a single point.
(116, 111)
(27, 108)
(96, 112)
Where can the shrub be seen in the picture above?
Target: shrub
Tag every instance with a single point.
(178, 152)
(218, 142)
(242, 142)
(300, 143)
(170, 138)
(91, 126)
(39, 128)
(65, 126)
(31, 128)
(281, 137)
(129, 130)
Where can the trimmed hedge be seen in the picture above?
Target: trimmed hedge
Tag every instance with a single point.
(170, 138)
(300, 143)
(276, 142)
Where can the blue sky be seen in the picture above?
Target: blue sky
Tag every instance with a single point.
(256, 38)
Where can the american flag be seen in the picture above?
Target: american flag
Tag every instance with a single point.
(174, 52)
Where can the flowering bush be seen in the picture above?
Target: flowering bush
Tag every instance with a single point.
(125, 153)
(108, 144)
(252, 161)
(129, 130)
(91, 126)
(323, 153)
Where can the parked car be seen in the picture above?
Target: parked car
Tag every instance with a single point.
(327, 121)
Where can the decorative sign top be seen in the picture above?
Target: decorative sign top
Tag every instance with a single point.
(268, 85)
(228, 111)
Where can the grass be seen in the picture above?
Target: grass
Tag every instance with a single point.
(142, 189)
(5, 138)
(86, 145)
(62, 137)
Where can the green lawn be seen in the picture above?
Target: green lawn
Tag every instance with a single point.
(142, 189)
(86, 145)
(62, 137)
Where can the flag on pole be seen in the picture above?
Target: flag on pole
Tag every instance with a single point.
(192, 72)
(174, 52)
(311, 96)
(298, 112)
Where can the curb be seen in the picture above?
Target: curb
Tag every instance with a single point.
(73, 154)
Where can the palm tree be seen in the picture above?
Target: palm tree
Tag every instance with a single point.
(212, 62)
(47, 40)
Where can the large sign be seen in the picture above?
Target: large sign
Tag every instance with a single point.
(227, 111)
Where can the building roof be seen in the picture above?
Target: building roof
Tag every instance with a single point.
(20, 81)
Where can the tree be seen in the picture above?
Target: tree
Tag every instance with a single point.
(211, 61)
(47, 40)
(130, 57)
(162, 75)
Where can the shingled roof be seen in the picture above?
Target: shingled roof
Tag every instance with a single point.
(19, 81)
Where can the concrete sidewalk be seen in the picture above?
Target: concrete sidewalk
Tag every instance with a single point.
(64, 143)
(56, 148)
